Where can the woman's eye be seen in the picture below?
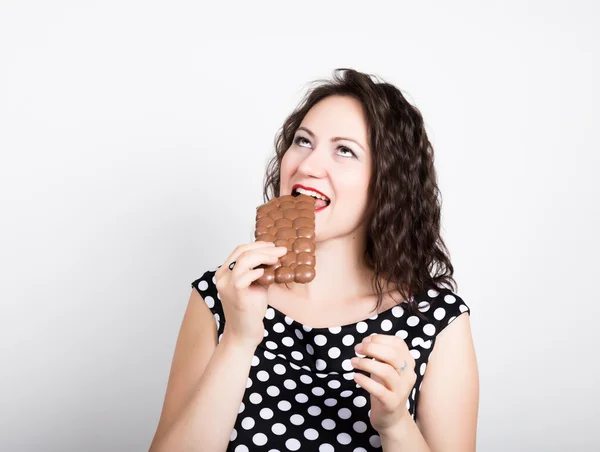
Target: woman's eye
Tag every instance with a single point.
(299, 139)
(345, 149)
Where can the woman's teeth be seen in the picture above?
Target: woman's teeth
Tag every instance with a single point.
(311, 193)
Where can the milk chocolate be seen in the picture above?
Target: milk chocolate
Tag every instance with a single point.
(288, 221)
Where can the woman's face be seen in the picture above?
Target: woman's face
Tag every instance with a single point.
(330, 154)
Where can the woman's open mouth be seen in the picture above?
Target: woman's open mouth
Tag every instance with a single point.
(321, 202)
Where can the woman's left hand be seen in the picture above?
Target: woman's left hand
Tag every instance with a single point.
(388, 385)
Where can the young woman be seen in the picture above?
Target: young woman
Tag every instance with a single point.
(374, 353)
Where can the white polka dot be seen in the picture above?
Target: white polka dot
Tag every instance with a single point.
(331, 402)
(318, 391)
(326, 448)
(241, 448)
(217, 319)
(269, 355)
(386, 325)
(402, 333)
(431, 293)
(273, 391)
(297, 419)
(248, 383)
(265, 333)
(334, 352)
(292, 444)
(260, 439)
(320, 364)
(248, 423)
(344, 413)
(320, 339)
(407, 404)
(451, 319)
(427, 344)
(306, 379)
(297, 355)
(348, 340)
(278, 429)
(301, 398)
(294, 366)
(439, 313)
(242, 407)
(233, 435)
(349, 376)
(414, 393)
(429, 329)
(413, 320)
(424, 306)
(288, 320)
(270, 344)
(255, 398)
(203, 285)
(279, 369)
(289, 384)
(299, 334)
(417, 341)
(397, 311)
(375, 441)
(463, 308)
(328, 424)
(359, 449)
(255, 360)
(266, 413)
(450, 299)
(335, 329)
(287, 341)
(344, 438)
(210, 301)
(270, 314)
(416, 354)
(361, 327)
(346, 393)
(311, 434)
(360, 401)
(347, 365)
(306, 328)
(359, 427)
(310, 349)
(284, 405)
(278, 327)
(423, 367)
(334, 384)
(262, 375)
(306, 368)
(314, 410)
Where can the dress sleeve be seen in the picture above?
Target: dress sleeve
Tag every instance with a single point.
(446, 306)
(206, 287)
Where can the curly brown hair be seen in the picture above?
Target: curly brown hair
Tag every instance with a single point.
(404, 246)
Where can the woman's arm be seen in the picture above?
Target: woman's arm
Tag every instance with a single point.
(206, 386)
(448, 399)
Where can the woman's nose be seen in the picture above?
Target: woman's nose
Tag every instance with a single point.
(314, 164)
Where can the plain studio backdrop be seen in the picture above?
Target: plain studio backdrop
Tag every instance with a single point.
(134, 137)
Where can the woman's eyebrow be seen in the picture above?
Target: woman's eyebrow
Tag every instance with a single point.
(333, 139)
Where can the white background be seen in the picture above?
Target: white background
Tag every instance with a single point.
(133, 140)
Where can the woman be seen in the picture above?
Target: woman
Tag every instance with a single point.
(344, 362)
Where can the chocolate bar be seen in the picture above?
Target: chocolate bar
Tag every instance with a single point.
(288, 221)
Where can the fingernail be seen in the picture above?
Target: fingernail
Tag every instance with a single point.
(358, 348)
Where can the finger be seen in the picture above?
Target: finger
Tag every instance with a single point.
(380, 352)
(236, 253)
(377, 390)
(244, 281)
(384, 371)
(249, 260)
(385, 339)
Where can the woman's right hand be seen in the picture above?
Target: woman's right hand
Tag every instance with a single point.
(244, 303)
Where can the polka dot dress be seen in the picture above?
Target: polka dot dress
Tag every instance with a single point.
(300, 393)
